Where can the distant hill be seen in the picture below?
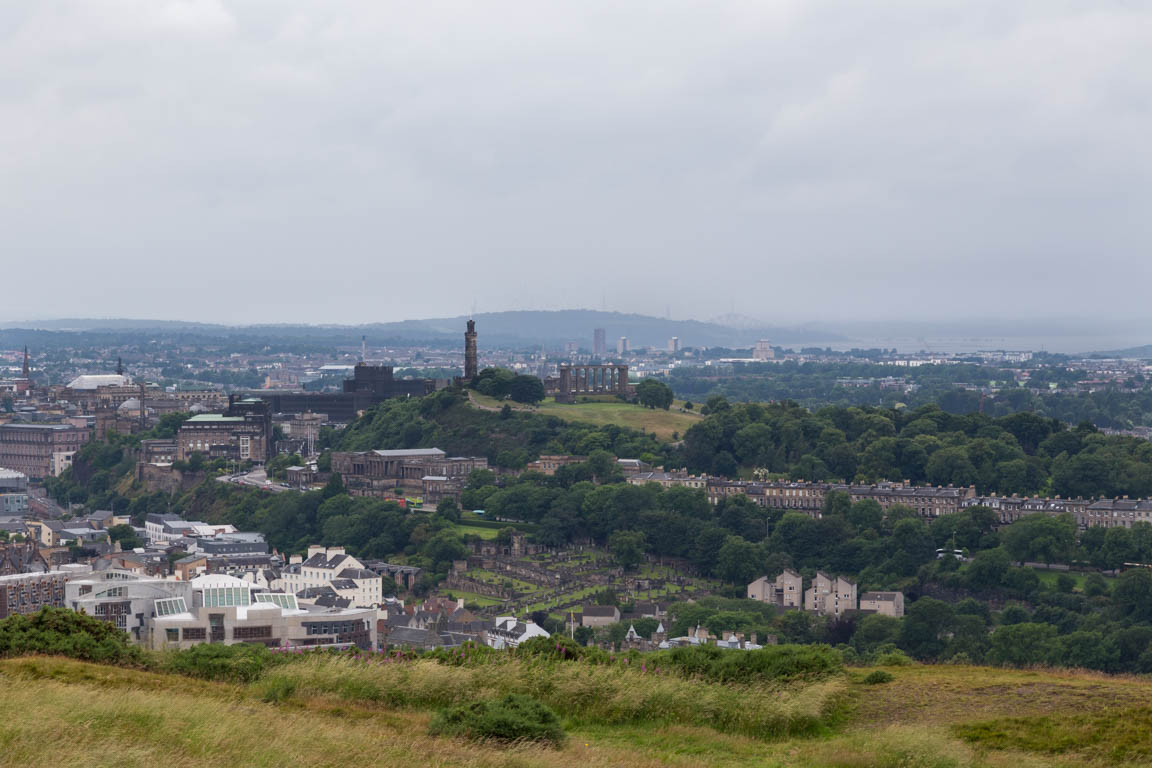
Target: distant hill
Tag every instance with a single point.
(527, 328)
(1144, 351)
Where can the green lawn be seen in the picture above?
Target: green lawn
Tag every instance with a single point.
(1049, 577)
(475, 530)
(662, 423)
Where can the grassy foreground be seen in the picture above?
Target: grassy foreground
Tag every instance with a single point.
(57, 712)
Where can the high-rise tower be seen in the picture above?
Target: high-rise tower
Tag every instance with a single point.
(470, 366)
(27, 368)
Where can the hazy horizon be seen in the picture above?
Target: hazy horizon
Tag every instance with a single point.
(794, 161)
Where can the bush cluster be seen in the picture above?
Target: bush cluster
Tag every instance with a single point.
(513, 718)
(60, 632)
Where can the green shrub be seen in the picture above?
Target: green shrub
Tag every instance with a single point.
(513, 718)
(242, 663)
(61, 632)
(556, 647)
(877, 677)
(773, 663)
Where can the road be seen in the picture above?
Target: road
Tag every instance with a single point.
(257, 478)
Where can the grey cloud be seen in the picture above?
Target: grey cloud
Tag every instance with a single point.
(352, 161)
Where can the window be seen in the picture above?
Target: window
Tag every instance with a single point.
(173, 635)
(221, 597)
(195, 633)
(170, 606)
(277, 598)
(251, 633)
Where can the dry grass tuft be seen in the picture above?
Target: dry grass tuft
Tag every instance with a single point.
(584, 693)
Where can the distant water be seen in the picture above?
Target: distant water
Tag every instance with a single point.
(1072, 344)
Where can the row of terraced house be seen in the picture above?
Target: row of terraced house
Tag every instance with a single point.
(929, 502)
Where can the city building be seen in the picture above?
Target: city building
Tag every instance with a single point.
(599, 343)
(369, 386)
(785, 591)
(22, 557)
(599, 615)
(243, 433)
(26, 593)
(509, 632)
(13, 493)
(40, 450)
(225, 609)
(622, 346)
(380, 473)
(123, 598)
(763, 350)
(335, 568)
(830, 596)
(884, 603)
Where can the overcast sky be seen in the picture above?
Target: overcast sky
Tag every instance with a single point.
(274, 160)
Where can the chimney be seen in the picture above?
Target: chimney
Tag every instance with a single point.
(333, 551)
(314, 550)
(727, 635)
(752, 638)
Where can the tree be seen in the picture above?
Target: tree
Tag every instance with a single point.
(926, 628)
(1020, 645)
(1040, 537)
(628, 548)
(526, 389)
(334, 486)
(654, 394)
(737, 561)
(126, 535)
(875, 630)
(448, 509)
(1133, 594)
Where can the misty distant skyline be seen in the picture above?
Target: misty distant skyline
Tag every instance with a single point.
(794, 161)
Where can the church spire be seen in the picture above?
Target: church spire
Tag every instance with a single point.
(120, 366)
(27, 369)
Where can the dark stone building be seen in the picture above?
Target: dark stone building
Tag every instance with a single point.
(369, 386)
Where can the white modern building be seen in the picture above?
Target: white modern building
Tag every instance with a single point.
(224, 609)
(123, 598)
